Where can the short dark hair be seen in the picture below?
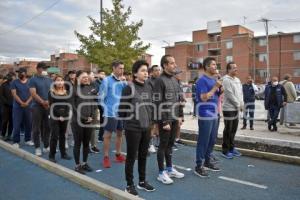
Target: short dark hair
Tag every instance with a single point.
(228, 66)
(137, 65)
(127, 73)
(164, 60)
(100, 71)
(151, 69)
(207, 61)
(41, 65)
(79, 72)
(116, 63)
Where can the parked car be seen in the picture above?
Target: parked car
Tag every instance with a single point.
(187, 89)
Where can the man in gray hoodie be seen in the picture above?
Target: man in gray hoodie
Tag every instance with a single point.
(232, 105)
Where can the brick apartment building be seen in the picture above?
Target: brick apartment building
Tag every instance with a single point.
(237, 43)
(59, 63)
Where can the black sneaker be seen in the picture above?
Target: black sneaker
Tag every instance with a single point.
(131, 190)
(66, 157)
(79, 169)
(251, 128)
(52, 159)
(95, 150)
(180, 142)
(145, 186)
(275, 128)
(270, 127)
(201, 172)
(243, 128)
(86, 167)
(213, 159)
(7, 139)
(210, 166)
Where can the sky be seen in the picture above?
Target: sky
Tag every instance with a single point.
(34, 29)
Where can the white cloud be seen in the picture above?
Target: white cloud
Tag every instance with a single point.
(169, 20)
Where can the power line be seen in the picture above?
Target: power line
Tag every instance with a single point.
(31, 19)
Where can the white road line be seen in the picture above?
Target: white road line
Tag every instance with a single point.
(182, 168)
(243, 182)
(176, 166)
(123, 153)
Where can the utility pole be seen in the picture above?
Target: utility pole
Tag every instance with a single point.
(101, 17)
(266, 24)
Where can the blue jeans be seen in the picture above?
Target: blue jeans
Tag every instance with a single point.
(21, 116)
(249, 109)
(207, 135)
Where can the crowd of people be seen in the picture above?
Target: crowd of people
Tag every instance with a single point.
(146, 106)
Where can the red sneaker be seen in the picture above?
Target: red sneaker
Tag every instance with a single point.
(106, 162)
(120, 158)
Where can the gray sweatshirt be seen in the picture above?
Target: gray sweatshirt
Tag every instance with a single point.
(233, 94)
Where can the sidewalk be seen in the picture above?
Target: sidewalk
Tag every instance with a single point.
(286, 140)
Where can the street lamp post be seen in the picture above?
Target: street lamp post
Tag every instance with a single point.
(280, 34)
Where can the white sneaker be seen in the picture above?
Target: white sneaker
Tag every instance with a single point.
(46, 150)
(38, 152)
(152, 149)
(29, 143)
(164, 178)
(16, 145)
(176, 174)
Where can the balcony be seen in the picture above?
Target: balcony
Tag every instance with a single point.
(214, 46)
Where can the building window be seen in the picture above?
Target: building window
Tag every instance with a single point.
(229, 59)
(262, 42)
(193, 65)
(262, 57)
(199, 60)
(297, 55)
(297, 72)
(262, 73)
(199, 47)
(229, 45)
(297, 38)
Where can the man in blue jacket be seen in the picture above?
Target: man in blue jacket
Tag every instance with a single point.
(249, 90)
(275, 98)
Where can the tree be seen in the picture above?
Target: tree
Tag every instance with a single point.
(114, 39)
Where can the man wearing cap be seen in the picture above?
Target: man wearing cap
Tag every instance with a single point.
(21, 107)
(39, 88)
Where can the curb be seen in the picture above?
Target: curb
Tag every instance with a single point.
(86, 182)
(257, 154)
(276, 146)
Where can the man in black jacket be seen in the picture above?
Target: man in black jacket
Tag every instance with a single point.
(7, 101)
(154, 73)
(166, 96)
(136, 110)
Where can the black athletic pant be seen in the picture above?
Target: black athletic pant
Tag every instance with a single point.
(137, 144)
(82, 135)
(101, 129)
(40, 126)
(231, 121)
(166, 144)
(7, 122)
(58, 131)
